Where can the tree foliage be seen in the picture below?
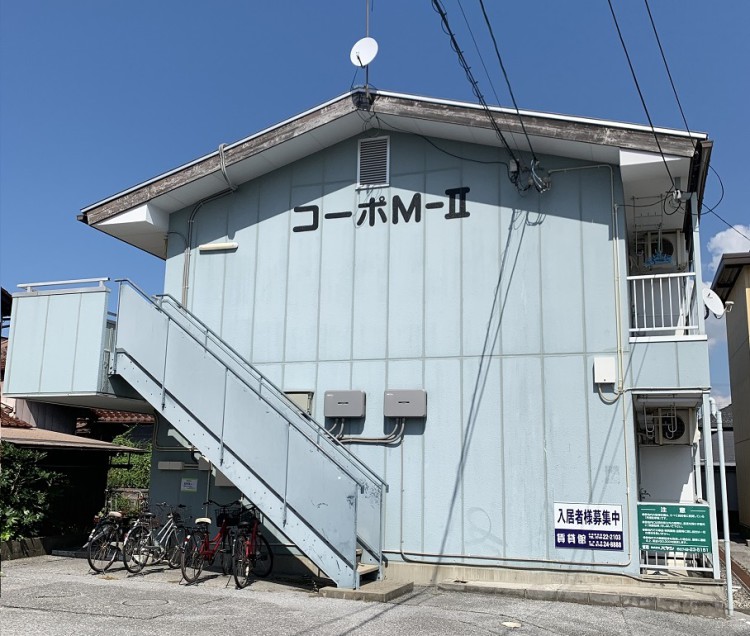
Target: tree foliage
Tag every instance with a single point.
(25, 491)
(139, 473)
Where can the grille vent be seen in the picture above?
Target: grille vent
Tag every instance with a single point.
(373, 161)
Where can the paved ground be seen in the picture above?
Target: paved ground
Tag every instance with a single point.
(58, 595)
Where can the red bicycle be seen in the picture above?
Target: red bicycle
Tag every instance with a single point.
(251, 553)
(199, 549)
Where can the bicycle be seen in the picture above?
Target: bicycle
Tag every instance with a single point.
(251, 552)
(199, 548)
(105, 539)
(148, 540)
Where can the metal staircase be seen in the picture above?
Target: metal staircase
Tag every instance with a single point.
(321, 496)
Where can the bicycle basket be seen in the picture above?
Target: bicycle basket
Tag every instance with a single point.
(232, 516)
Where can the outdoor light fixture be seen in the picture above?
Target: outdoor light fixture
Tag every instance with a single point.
(218, 247)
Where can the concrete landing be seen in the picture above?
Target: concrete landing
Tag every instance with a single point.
(708, 601)
(377, 591)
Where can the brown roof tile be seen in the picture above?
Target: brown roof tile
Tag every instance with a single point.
(8, 420)
(122, 417)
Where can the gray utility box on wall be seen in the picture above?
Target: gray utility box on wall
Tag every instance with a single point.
(344, 404)
(405, 403)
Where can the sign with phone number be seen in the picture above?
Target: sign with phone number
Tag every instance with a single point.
(674, 528)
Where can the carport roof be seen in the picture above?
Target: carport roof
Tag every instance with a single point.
(42, 439)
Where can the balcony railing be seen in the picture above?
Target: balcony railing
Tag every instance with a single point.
(663, 305)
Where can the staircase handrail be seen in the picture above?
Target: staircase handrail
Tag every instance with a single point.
(279, 394)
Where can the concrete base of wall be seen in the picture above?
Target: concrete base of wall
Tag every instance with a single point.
(37, 546)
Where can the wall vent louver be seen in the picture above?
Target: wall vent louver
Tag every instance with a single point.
(374, 158)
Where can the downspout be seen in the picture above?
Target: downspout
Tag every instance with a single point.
(724, 506)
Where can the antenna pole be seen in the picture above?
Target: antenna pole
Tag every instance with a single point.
(367, 34)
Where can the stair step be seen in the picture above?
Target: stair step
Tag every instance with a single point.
(367, 568)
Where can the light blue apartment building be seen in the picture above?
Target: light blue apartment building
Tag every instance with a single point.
(402, 326)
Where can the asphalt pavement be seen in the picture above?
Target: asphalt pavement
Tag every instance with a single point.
(57, 595)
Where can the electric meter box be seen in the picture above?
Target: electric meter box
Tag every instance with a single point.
(604, 370)
(405, 403)
(344, 404)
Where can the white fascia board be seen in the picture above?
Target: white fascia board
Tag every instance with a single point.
(639, 158)
(141, 219)
(144, 227)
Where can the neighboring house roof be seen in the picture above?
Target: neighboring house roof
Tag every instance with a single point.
(727, 417)
(3, 354)
(49, 440)
(122, 417)
(9, 420)
(139, 215)
(20, 433)
(6, 301)
(728, 272)
(729, 456)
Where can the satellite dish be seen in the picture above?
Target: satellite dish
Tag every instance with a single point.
(712, 302)
(364, 52)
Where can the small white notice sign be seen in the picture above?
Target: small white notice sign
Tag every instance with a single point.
(189, 485)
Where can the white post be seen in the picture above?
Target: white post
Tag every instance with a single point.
(708, 464)
(724, 507)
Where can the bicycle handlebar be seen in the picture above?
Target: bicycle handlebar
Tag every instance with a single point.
(221, 505)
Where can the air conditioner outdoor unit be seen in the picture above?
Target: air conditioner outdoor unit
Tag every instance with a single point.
(663, 251)
(666, 426)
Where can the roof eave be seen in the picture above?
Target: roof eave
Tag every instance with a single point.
(152, 201)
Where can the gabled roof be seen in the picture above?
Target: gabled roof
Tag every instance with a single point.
(140, 214)
(728, 272)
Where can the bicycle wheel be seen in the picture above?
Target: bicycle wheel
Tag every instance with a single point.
(103, 549)
(192, 556)
(262, 557)
(173, 554)
(241, 563)
(135, 550)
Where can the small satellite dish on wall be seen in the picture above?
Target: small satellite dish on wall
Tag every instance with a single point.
(712, 302)
(364, 52)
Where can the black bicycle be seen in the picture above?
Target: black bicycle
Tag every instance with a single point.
(105, 540)
(251, 553)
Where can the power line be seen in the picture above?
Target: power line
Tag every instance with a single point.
(507, 80)
(712, 210)
(666, 66)
(640, 93)
(438, 7)
(728, 224)
(479, 53)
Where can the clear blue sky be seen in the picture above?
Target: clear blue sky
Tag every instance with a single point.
(98, 96)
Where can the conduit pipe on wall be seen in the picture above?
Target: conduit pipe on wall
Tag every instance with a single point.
(394, 437)
(189, 241)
